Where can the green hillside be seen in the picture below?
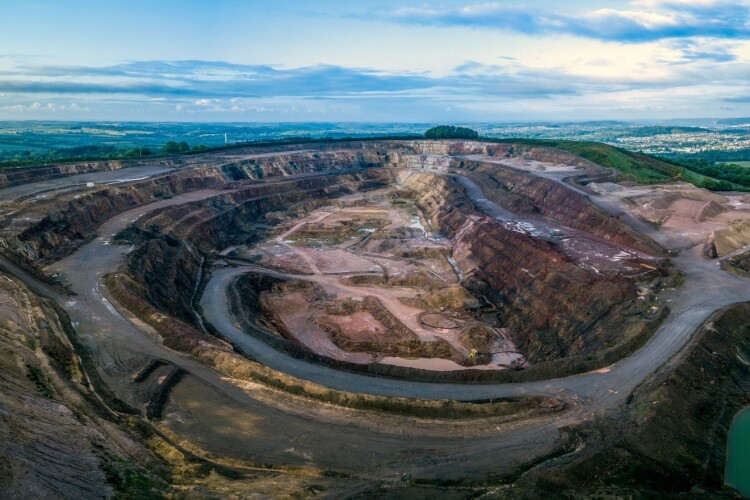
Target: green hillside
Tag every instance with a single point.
(639, 167)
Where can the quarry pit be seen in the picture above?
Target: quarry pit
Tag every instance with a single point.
(257, 304)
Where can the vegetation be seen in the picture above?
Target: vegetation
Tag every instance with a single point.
(702, 171)
(646, 169)
(663, 130)
(94, 152)
(636, 167)
(726, 174)
(451, 132)
(173, 147)
(127, 478)
(78, 153)
(37, 376)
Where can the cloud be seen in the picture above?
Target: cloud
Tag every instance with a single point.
(203, 83)
(692, 70)
(642, 21)
(692, 51)
(38, 107)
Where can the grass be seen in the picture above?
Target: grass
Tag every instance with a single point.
(37, 376)
(128, 479)
(740, 163)
(637, 167)
(632, 166)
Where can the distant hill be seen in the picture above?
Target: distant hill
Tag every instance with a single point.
(733, 121)
(663, 130)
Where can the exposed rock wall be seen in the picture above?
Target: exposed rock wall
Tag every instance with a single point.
(23, 175)
(554, 308)
(739, 264)
(302, 163)
(68, 226)
(53, 441)
(175, 240)
(64, 230)
(725, 241)
(641, 452)
(519, 191)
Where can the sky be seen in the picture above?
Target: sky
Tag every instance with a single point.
(449, 61)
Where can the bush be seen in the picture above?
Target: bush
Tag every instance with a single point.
(173, 147)
(451, 132)
(713, 185)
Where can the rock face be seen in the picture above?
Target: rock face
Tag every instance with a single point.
(555, 308)
(727, 240)
(301, 163)
(174, 241)
(521, 192)
(641, 453)
(22, 175)
(66, 227)
(739, 264)
(51, 443)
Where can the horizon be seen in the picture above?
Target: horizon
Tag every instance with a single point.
(374, 61)
(654, 121)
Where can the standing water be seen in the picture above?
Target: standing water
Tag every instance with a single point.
(737, 473)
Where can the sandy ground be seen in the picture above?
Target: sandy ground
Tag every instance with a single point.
(237, 421)
(332, 244)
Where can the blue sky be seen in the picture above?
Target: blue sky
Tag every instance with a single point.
(449, 61)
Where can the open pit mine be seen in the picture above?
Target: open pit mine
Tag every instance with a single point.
(358, 319)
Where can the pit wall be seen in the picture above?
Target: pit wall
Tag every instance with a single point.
(554, 308)
(519, 191)
(24, 175)
(74, 222)
(575, 312)
(175, 241)
(500, 150)
(640, 452)
(580, 312)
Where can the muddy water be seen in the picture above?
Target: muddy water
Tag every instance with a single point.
(737, 473)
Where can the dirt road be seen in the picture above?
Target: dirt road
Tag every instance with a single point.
(707, 288)
(347, 442)
(339, 439)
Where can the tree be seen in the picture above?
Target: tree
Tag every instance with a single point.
(451, 132)
(173, 147)
(713, 185)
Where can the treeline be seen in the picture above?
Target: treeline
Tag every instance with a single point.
(173, 147)
(77, 153)
(94, 152)
(451, 132)
(662, 130)
(726, 174)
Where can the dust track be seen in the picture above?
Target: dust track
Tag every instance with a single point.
(345, 445)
